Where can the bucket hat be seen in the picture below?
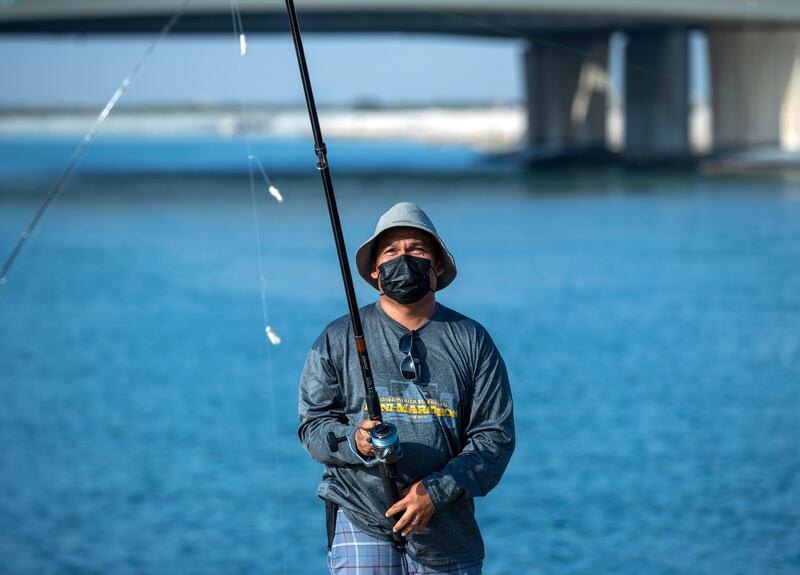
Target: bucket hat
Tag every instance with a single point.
(404, 215)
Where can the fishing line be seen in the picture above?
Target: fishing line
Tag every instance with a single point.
(238, 31)
(273, 191)
(87, 140)
(272, 337)
(279, 488)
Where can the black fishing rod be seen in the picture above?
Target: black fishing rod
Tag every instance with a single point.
(383, 436)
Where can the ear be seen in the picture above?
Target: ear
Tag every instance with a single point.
(374, 273)
(438, 267)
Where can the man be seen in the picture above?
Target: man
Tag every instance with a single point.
(440, 380)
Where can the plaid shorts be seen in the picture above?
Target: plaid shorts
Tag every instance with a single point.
(355, 553)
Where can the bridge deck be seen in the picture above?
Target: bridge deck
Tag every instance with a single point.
(470, 17)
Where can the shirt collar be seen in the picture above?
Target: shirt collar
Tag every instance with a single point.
(401, 329)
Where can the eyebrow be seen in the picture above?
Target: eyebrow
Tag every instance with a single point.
(414, 243)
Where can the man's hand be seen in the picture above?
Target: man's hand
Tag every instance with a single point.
(362, 438)
(417, 507)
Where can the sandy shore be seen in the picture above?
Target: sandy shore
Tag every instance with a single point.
(491, 128)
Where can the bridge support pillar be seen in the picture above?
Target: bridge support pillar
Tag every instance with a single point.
(657, 95)
(567, 83)
(755, 88)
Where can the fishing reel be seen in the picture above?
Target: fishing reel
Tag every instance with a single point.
(385, 443)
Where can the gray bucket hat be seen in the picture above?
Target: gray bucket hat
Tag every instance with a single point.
(404, 215)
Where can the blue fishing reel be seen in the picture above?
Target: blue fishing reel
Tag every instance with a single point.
(385, 443)
(384, 440)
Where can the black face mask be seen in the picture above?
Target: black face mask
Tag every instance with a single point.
(405, 278)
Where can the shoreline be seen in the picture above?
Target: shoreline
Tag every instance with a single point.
(488, 128)
(497, 131)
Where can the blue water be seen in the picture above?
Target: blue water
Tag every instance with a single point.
(32, 155)
(650, 322)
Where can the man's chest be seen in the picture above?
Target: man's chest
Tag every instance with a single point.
(435, 401)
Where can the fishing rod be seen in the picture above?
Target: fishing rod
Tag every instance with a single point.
(384, 435)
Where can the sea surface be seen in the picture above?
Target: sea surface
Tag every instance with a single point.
(650, 322)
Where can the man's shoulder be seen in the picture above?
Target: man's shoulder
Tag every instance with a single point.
(470, 334)
(455, 318)
(469, 331)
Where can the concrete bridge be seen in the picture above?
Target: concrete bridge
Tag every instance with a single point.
(604, 77)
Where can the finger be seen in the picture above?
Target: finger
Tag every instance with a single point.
(420, 522)
(396, 508)
(363, 432)
(403, 525)
(412, 527)
(367, 439)
(363, 446)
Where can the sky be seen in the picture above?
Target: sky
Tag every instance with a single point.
(386, 69)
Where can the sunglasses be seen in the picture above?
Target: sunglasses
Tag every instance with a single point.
(408, 367)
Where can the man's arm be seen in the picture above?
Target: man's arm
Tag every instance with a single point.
(489, 434)
(321, 409)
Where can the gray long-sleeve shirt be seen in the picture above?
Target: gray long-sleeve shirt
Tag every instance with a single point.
(455, 424)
